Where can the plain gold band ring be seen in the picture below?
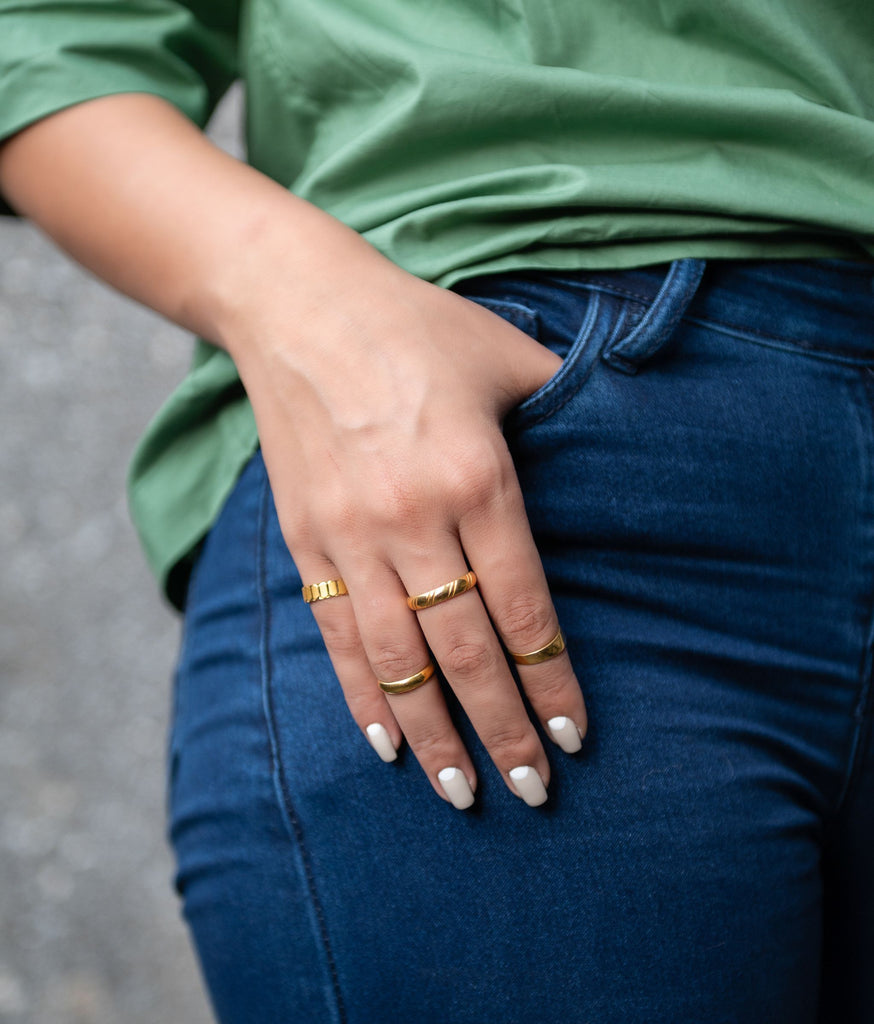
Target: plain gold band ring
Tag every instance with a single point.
(322, 591)
(417, 602)
(410, 683)
(555, 646)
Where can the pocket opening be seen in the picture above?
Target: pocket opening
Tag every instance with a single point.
(523, 317)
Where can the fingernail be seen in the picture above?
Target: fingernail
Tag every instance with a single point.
(456, 787)
(529, 785)
(565, 733)
(381, 741)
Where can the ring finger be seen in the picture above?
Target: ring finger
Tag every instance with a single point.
(397, 652)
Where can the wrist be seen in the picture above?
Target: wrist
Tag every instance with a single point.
(285, 266)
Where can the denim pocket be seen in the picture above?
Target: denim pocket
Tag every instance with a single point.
(626, 319)
(604, 321)
(574, 324)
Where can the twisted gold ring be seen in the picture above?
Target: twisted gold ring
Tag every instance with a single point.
(417, 602)
(410, 683)
(555, 646)
(322, 591)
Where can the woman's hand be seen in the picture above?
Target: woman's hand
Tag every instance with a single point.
(379, 412)
(379, 400)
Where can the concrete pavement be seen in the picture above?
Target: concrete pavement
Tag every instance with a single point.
(89, 926)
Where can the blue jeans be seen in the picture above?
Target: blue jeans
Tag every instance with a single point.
(700, 482)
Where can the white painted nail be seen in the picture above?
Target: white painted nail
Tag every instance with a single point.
(381, 741)
(456, 787)
(529, 785)
(565, 733)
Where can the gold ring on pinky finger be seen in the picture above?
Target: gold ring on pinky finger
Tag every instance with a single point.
(322, 591)
(410, 683)
(555, 646)
(418, 602)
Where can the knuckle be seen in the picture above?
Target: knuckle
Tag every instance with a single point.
(551, 689)
(398, 504)
(339, 638)
(468, 657)
(396, 661)
(513, 742)
(399, 520)
(338, 517)
(431, 744)
(475, 476)
(363, 705)
(294, 530)
(524, 619)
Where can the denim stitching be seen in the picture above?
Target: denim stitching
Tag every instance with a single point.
(513, 312)
(770, 341)
(625, 293)
(742, 331)
(863, 707)
(572, 392)
(291, 821)
(600, 284)
(662, 319)
(805, 346)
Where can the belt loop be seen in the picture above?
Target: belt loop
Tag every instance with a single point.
(660, 320)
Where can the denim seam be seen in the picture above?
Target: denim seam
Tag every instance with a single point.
(515, 312)
(862, 709)
(596, 284)
(580, 344)
(858, 739)
(627, 293)
(293, 825)
(769, 341)
(861, 726)
(748, 333)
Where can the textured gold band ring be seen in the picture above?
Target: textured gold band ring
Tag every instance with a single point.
(555, 646)
(418, 602)
(322, 591)
(410, 683)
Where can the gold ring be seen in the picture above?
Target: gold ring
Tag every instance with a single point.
(555, 646)
(410, 683)
(322, 591)
(445, 593)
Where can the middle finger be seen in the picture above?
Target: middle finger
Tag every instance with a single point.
(460, 634)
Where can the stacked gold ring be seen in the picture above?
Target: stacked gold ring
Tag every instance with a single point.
(410, 683)
(322, 591)
(555, 646)
(418, 602)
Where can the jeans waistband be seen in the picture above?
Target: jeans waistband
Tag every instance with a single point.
(821, 305)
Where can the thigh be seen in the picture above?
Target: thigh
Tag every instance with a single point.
(240, 871)
(707, 531)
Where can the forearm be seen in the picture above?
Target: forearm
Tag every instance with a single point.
(136, 193)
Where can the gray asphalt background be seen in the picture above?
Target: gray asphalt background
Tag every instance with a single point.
(90, 931)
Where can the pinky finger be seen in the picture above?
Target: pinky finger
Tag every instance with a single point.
(366, 702)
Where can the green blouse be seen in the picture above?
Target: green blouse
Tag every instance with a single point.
(463, 137)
